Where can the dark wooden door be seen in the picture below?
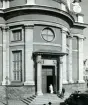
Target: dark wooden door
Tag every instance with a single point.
(48, 77)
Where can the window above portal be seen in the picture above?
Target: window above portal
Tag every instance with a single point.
(48, 34)
(17, 35)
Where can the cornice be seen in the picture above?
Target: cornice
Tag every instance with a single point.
(48, 9)
(81, 25)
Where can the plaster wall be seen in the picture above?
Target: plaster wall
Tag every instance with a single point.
(43, 17)
(51, 3)
(14, 3)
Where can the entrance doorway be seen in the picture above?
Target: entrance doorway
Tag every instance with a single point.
(49, 81)
(48, 77)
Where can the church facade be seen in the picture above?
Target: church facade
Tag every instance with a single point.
(41, 44)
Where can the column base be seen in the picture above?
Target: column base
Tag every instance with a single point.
(4, 82)
(81, 81)
(65, 82)
(71, 81)
(39, 93)
(29, 83)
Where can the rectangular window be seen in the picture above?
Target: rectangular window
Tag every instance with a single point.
(17, 65)
(17, 35)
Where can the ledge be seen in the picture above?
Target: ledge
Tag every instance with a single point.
(50, 52)
(41, 8)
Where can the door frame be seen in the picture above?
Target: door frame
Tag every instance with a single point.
(54, 74)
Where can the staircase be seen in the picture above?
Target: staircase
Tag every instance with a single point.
(43, 99)
(46, 98)
(28, 100)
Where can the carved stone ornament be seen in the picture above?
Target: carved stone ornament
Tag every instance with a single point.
(76, 7)
(76, 1)
(55, 62)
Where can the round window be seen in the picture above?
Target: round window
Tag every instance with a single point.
(48, 34)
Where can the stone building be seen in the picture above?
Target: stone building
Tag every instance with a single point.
(41, 43)
(86, 69)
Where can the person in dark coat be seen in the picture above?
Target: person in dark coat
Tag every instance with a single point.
(63, 92)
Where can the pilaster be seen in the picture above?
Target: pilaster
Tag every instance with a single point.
(29, 70)
(5, 55)
(80, 60)
(60, 75)
(64, 33)
(70, 61)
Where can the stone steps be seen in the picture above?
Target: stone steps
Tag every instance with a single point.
(46, 98)
(43, 99)
(28, 100)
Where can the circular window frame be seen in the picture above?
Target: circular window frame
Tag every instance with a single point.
(47, 28)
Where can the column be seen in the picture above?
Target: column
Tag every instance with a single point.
(39, 75)
(64, 33)
(29, 70)
(4, 4)
(7, 4)
(70, 61)
(69, 2)
(60, 75)
(80, 60)
(30, 2)
(5, 55)
(63, 6)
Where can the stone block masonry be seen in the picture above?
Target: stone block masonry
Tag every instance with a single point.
(15, 92)
(70, 88)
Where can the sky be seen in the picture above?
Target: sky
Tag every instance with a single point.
(84, 5)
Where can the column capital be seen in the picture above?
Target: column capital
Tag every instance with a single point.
(29, 25)
(61, 60)
(70, 36)
(39, 60)
(80, 36)
(5, 28)
(65, 30)
(55, 62)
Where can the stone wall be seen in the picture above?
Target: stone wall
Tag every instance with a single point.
(17, 92)
(75, 87)
(2, 92)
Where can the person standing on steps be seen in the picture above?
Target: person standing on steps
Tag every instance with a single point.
(51, 88)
